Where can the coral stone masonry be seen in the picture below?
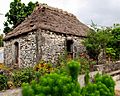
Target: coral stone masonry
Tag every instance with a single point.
(44, 35)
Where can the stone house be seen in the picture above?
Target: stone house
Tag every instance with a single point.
(44, 35)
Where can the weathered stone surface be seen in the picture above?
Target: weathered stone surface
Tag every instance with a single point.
(27, 51)
(106, 68)
(39, 45)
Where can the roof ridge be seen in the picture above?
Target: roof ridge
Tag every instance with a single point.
(43, 5)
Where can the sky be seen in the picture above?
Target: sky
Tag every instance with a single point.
(101, 12)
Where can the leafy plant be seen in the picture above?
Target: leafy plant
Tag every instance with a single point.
(87, 78)
(96, 41)
(23, 75)
(84, 65)
(103, 86)
(52, 84)
(107, 80)
(90, 90)
(74, 68)
(3, 82)
(17, 13)
(110, 53)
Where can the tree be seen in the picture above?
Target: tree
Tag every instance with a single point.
(97, 40)
(92, 46)
(115, 42)
(17, 13)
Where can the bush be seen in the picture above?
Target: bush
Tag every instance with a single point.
(63, 84)
(103, 86)
(107, 81)
(52, 85)
(90, 90)
(23, 75)
(84, 62)
(3, 82)
(74, 68)
(87, 77)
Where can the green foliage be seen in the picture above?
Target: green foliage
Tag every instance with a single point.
(17, 77)
(107, 80)
(3, 82)
(87, 78)
(74, 69)
(52, 84)
(92, 45)
(110, 52)
(84, 65)
(114, 43)
(90, 90)
(17, 13)
(23, 75)
(59, 83)
(107, 39)
(6, 27)
(27, 90)
(103, 86)
(96, 41)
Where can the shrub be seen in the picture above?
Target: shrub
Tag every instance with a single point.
(52, 84)
(23, 75)
(74, 68)
(84, 65)
(107, 81)
(103, 86)
(3, 82)
(87, 78)
(63, 84)
(90, 90)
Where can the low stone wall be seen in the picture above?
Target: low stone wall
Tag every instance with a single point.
(106, 68)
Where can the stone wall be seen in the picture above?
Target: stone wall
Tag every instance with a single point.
(51, 45)
(27, 51)
(107, 68)
(39, 45)
(8, 53)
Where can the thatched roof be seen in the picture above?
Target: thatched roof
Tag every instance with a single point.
(49, 18)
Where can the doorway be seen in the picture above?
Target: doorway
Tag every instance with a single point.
(70, 49)
(16, 52)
